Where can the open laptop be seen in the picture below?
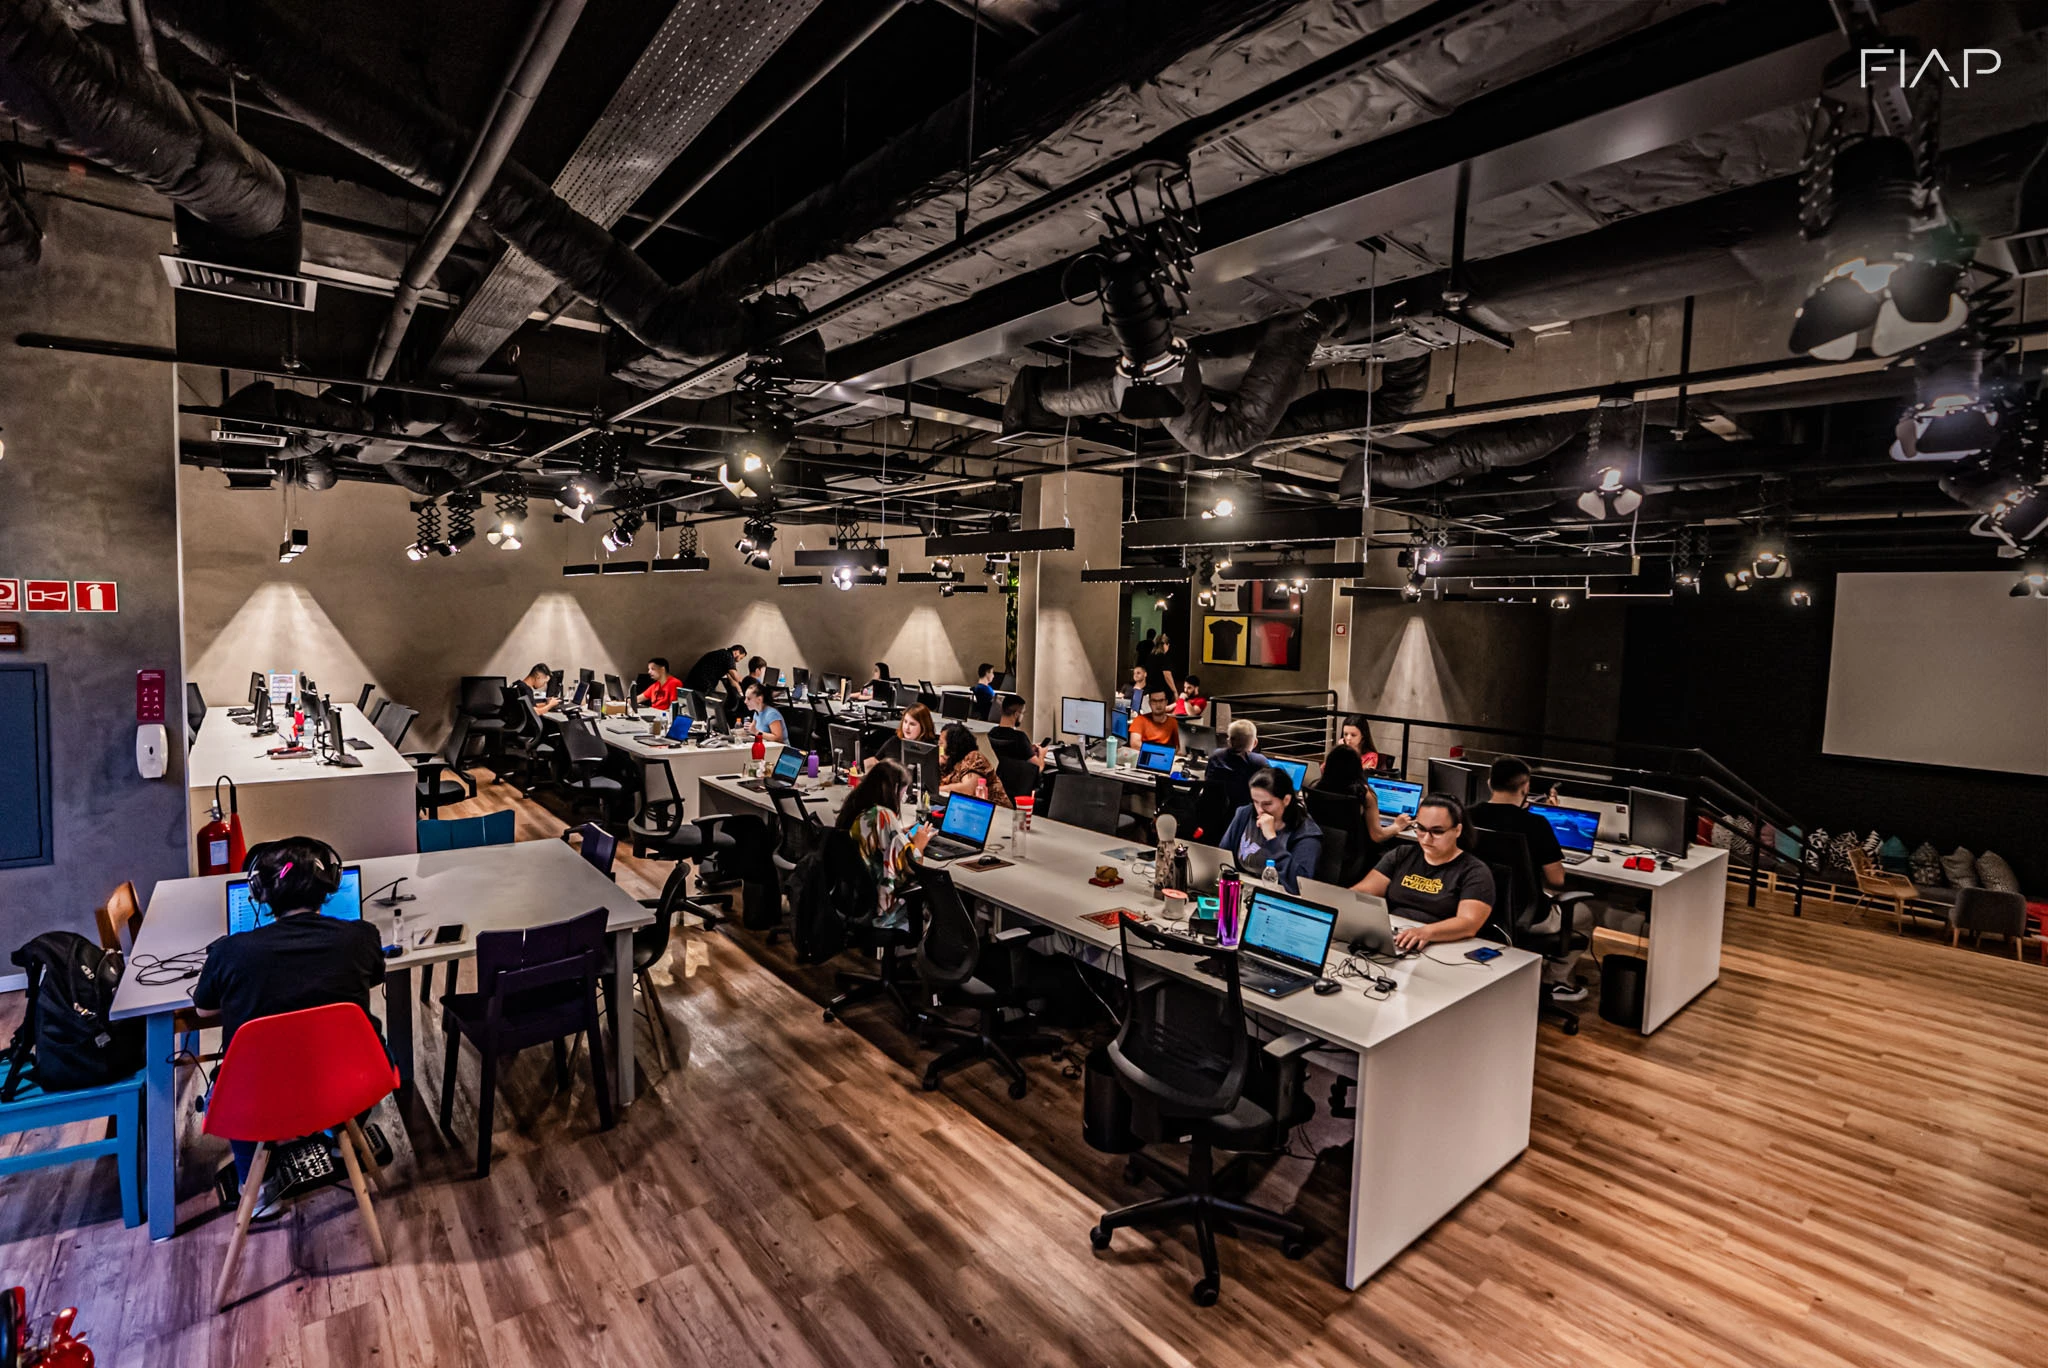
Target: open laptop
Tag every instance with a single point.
(1363, 924)
(788, 765)
(1154, 758)
(1294, 769)
(1286, 939)
(1397, 797)
(964, 829)
(1206, 864)
(1575, 829)
(244, 913)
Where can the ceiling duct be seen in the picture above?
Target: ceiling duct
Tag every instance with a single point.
(263, 269)
(331, 431)
(21, 237)
(110, 108)
(1474, 451)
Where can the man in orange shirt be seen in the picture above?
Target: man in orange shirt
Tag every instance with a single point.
(1156, 725)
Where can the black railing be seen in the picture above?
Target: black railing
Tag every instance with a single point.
(1290, 725)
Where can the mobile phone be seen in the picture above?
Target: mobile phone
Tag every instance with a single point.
(1483, 954)
(449, 935)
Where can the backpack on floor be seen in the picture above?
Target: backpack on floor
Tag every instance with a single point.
(65, 1041)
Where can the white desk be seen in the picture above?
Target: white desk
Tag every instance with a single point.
(362, 812)
(1687, 904)
(1445, 1064)
(488, 888)
(688, 763)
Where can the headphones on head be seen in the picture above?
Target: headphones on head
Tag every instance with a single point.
(303, 852)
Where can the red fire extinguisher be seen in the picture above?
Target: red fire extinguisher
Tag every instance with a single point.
(221, 846)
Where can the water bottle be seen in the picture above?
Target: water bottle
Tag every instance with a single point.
(1229, 894)
(398, 928)
(1109, 750)
(1270, 875)
(811, 765)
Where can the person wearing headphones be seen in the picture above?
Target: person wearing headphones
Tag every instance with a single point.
(297, 958)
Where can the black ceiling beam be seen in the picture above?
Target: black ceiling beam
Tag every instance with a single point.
(997, 543)
(1513, 567)
(1246, 529)
(1707, 68)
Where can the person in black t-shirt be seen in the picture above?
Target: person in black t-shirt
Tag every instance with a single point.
(299, 959)
(1447, 890)
(714, 668)
(1009, 740)
(1507, 809)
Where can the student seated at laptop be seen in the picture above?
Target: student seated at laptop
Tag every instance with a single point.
(1431, 881)
(964, 769)
(1157, 723)
(534, 689)
(662, 691)
(1275, 826)
(295, 960)
(915, 725)
(886, 842)
(1344, 774)
(765, 719)
(1507, 809)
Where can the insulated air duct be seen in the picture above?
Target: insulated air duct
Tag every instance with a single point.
(1473, 451)
(113, 110)
(21, 237)
(382, 434)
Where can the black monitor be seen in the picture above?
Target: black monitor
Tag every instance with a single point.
(1120, 722)
(921, 760)
(262, 719)
(770, 676)
(1461, 779)
(1657, 820)
(956, 707)
(845, 745)
(691, 702)
(883, 691)
(1083, 717)
(258, 687)
(554, 689)
(613, 689)
(1006, 682)
(799, 680)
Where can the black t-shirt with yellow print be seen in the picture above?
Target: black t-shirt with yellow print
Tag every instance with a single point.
(1424, 892)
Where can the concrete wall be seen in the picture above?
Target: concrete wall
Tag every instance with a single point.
(354, 610)
(1067, 631)
(88, 491)
(1483, 663)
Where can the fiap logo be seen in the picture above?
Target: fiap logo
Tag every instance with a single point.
(1975, 62)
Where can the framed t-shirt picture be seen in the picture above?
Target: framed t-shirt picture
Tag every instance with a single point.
(1224, 639)
(1274, 643)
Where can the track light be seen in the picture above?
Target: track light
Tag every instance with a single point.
(2032, 583)
(625, 523)
(1561, 602)
(1800, 598)
(508, 522)
(293, 546)
(1611, 494)
(1223, 508)
(1686, 578)
(416, 552)
(1740, 580)
(427, 531)
(757, 543)
(1952, 418)
(1771, 563)
(842, 577)
(462, 510)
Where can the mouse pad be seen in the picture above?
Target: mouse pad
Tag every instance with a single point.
(984, 864)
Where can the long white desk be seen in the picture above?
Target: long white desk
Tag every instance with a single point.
(1445, 1063)
(1687, 905)
(488, 888)
(363, 811)
(688, 763)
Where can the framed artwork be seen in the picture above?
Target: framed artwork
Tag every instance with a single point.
(1225, 639)
(1274, 643)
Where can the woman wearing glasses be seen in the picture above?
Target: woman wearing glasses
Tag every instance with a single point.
(1430, 881)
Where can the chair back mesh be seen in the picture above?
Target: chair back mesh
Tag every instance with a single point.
(1182, 1044)
(950, 950)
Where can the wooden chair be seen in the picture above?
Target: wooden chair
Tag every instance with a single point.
(119, 920)
(1873, 883)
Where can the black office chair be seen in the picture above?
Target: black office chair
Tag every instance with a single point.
(394, 720)
(1342, 818)
(1020, 778)
(800, 722)
(1194, 1074)
(661, 830)
(195, 711)
(439, 776)
(1067, 759)
(533, 986)
(582, 763)
(376, 710)
(1521, 901)
(482, 700)
(982, 709)
(363, 698)
(798, 834)
(1334, 863)
(600, 849)
(840, 874)
(1093, 801)
(1213, 811)
(950, 957)
(529, 748)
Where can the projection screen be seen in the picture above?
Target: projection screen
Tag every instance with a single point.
(1939, 669)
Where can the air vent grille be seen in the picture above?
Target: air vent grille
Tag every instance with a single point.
(240, 282)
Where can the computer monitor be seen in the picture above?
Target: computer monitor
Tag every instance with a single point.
(262, 720)
(576, 700)
(1120, 724)
(345, 903)
(1083, 717)
(1397, 797)
(1657, 820)
(257, 688)
(554, 687)
(1461, 779)
(956, 706)
(1289, 929)
(845, 742)
(799, 681)
(1294, 769)
(788, 765)
(679, 725)
(1006, 682)
(691, 702)
(1154, 758)
(770, 676)
(614, 689)
(587, 675)
(1575, 827)
(967, 819)
(921, 759)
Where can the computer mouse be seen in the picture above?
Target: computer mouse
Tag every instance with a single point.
(1603, 859)
(1325, 986)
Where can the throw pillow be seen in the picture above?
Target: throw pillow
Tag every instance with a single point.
(1892, 855)
(1925, 862)
(1961, 868)
(1817, 849)
(1994, 873)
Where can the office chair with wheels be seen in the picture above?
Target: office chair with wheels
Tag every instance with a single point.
(982, 709)
(363, 698)
(798, 834)
(1194, 1074)
(375, 711)
(838, 878)
(482, 700)
(1341, 816)
(534, 986)
(529, 752)
(1020, 778)
(950, 957)
(394, 720)
(439, 777)
(660, 830)
(1087, 800)
(600, 849)
(582, 761)
(1522, 903)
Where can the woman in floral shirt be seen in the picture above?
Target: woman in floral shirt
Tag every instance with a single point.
(872, 816)
(961, 763)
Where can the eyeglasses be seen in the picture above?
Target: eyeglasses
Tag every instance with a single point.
(1436, 831)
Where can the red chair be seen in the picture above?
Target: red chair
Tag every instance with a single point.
(295, 1074)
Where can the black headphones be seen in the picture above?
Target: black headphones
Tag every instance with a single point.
(270, 861)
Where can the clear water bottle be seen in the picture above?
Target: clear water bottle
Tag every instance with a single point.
(398, 928)
(1270, 876)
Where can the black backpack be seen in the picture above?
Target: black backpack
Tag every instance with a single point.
(65, 1041)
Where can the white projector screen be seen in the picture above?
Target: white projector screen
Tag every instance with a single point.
(1939, 669)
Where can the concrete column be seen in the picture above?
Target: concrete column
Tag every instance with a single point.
(1067, 631)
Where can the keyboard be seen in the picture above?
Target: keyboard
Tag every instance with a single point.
(1577, 857)
(946, 848)
(1261, 977)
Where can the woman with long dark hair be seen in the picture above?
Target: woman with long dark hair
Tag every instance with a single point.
(872, 816)
(1275, 826)
(961, 763)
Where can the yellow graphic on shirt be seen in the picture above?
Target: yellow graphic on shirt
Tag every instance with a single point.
(1422, 883)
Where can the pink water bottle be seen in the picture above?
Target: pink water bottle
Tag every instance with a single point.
(1229, 892)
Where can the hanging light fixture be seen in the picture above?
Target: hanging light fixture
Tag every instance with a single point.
(508, 524)
(2032, 583)
(1800, 598)
(427, 530)
(1140, 272)
(462, 510)
(1611, 494)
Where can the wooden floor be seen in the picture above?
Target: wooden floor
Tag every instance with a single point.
(1838, 1156)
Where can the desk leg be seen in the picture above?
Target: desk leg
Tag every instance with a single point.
(160, 1124)
(398, 1020)
(622, 1013)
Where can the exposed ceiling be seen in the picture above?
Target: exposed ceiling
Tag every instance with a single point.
(914, 181)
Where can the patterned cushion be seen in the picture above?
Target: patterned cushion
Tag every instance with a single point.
(1817, 849)
(1994, 872)
(1925, 863)
(1838, 866)
(1961, 869)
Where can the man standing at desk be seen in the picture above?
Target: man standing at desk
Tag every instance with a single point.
(714, 668)
(662, 692)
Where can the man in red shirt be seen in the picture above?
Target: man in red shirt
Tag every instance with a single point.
(1191, 703)
(662, 692)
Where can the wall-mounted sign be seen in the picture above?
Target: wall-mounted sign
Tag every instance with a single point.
(47, 596)
(95, 596)
(10, 595)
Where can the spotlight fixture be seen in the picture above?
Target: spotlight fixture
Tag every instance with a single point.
(842, 577)
(1412, 590)
(1561, 601)
(2032, 583)
(462, 510)
(1223, 508)
(1685, 577)
(600, 460)
(625, 523)
(761, 403)
(1800, 598)
(1142, 271)
(1740, 580)
(293, 546)
(687, 556)
(1771, 563)
(1951, 418)
(1611, 494)
(757, 543)
(508, 522)
(427, 531)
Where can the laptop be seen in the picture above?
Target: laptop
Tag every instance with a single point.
(788, 765)
(1286, 939)
(1120, 724)
(1206, 864)
(964, 829)
(244, 913)
(1397, 797)
(1296, 770)
(1363, 924)
(1154, 758)
(679, 726)
(1575, 829)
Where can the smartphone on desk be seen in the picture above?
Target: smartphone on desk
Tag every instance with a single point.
(1483, 954)
(451, 934)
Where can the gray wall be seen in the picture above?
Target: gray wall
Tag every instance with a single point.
(88, 491)
(354, 610)
(1485, 663)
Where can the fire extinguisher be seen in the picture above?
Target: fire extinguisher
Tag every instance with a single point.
(221, 846)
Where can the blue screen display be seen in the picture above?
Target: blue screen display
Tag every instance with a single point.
(679, 726)
(1293, 769)
(787, 764)
(1575, 827)
(1397, 797)
(1155, 757)
(344, 904)
(1289, 928)
(967, 819)
(1120, 723)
